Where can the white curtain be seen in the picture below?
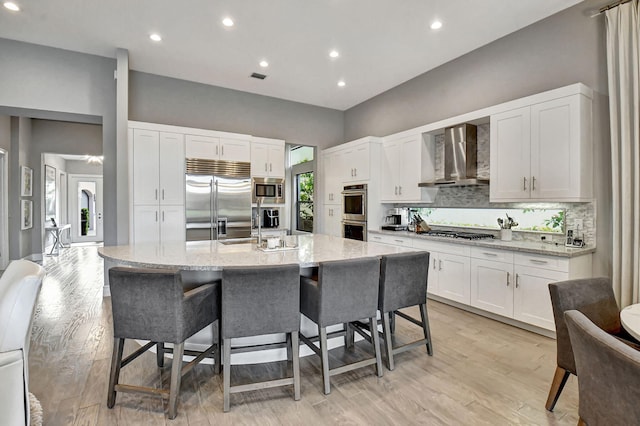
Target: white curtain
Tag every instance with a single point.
(624, 86)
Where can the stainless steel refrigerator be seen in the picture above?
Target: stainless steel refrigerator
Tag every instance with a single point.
(217, 200)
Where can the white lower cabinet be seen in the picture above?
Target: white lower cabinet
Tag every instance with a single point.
(531, 300)
(153, 224)
(492, 286)
(390, 240)
(450, 270)
(333, 220)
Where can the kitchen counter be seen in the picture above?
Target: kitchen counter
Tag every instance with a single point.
(215, 255)
(496, 243)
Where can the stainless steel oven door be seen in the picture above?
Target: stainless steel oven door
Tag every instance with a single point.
(354, 230)
(354, 204)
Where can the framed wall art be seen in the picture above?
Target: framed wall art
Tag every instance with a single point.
(26, 181)
(26, 207)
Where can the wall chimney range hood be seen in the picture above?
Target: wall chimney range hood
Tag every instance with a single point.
(460, 158)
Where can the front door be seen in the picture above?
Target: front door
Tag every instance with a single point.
(85, 208)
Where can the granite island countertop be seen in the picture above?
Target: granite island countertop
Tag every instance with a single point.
(521, 246)
(215, 255)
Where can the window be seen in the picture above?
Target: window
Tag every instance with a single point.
(303, 177)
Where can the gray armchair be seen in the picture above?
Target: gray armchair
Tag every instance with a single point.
(608, 371)
(594, 298)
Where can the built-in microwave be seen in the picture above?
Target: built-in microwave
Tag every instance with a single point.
(268, 190)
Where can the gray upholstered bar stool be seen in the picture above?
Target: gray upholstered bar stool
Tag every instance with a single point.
(346, 291)
(403, 283)
(260, 300)
(151, 304)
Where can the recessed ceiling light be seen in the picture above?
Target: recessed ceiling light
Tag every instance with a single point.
(227, 22)
(341, 83)
(264, 64)
(334, 54)
(436, 25)
(155, 37)
(12, 6)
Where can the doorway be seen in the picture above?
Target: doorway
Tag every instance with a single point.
(85, 208)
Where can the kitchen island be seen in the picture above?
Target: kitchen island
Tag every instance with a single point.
(203, 261)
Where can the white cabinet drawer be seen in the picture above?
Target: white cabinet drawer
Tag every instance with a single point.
(492, 254)
(459, 249)
(390, 239)
(539, 261)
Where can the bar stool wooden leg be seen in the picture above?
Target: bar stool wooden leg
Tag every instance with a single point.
(376, 345)
(217, 339)
(226, 375)
(160, 354)
(388, 345)
(116, 363)
(324, 359)
(176, 377)
(295, 348)
(392, 321)
(289, 347)
(348, 335)
(425, 328)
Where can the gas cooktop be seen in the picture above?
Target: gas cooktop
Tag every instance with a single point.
(459, 234)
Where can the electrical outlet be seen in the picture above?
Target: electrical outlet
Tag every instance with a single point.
(579, 224)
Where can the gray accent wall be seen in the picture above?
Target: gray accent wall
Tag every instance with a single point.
(5, 132)
(19, 154)
(158, 99)
(565, 48)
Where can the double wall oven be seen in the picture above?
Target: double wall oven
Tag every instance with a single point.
(354, 212)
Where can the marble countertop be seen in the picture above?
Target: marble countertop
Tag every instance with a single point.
(521, 246)
(214, 256)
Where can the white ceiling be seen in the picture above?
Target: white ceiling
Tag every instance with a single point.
(382, 43)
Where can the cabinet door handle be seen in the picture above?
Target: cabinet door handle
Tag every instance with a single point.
(524, 183)
(222, 150)
(355, 172)
(163, 195)
(400, 190)
(508, 278)
(533, 183)
(395, 190)
(265, 167)
(399, 241)
(489, 254)
(156, 195)
(539, 262)
(216, 149)
(434, 264)
(163, 215)
(156, 215)
(270, 167)
(517, 280)
(439, 265)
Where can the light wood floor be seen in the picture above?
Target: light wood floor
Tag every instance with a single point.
(482, 372)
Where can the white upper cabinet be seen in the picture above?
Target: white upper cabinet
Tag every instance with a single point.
(158, 167)
(146, 166)
(356, 163)
(405, 163)
(214, 148)
(267, 157)
(171, 163)
(543, 152)
(331, 167)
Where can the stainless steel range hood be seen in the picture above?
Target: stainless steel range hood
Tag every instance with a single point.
(460, 158)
